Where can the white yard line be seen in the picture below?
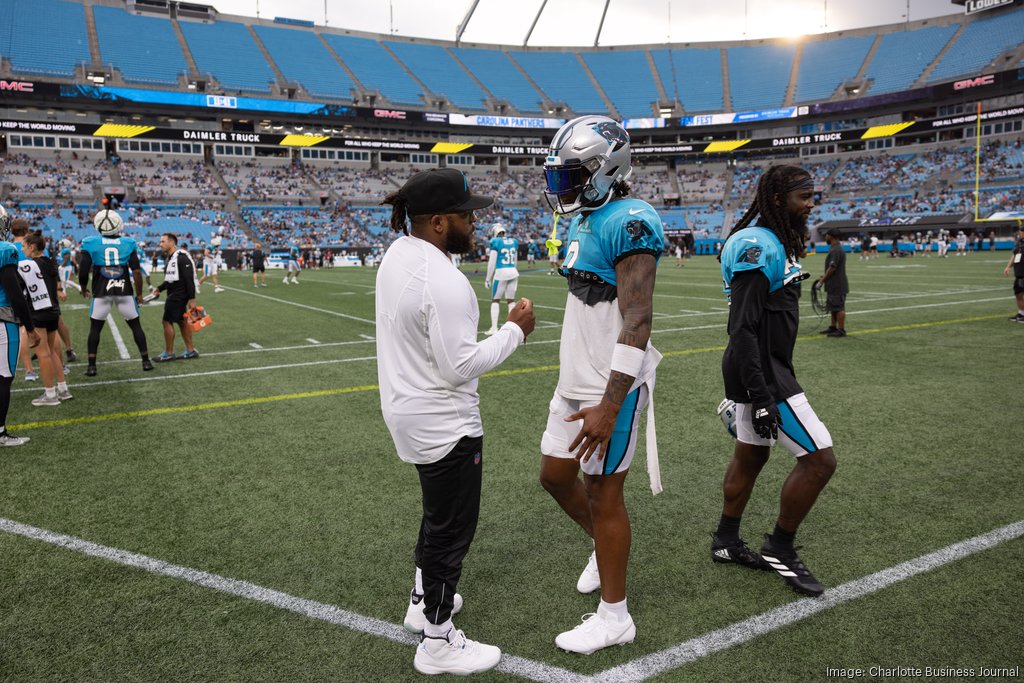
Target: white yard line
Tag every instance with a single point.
(295, 303)
(122, 350)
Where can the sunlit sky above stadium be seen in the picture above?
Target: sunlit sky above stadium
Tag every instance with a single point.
(575, 22)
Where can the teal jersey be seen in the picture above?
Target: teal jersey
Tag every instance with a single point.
(508, 251)
(20, 251)
(109, 251)
(8, 257)
(757, 248)
(65, 257)
(598, 240)
(293, 253)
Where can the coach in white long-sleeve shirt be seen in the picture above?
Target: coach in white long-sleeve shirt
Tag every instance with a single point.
(428, 362)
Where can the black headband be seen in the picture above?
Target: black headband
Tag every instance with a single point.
(801, 182)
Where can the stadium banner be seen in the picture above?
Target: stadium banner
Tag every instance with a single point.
(975, 6)
(14, 87)
(504, 121)
(742, 117)
(981, 83)
(383, 113)
(630, 124)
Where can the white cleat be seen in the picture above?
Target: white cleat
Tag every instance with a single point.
(64, 395)
(218, 289)
(46, 400)
(285, 280)
(590, 579)
(415, 620)
(455, 654)
(596, 633)
(9, 440)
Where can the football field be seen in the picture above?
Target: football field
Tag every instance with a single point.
(243, 516)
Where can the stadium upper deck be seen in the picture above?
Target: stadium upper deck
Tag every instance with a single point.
(67, 39)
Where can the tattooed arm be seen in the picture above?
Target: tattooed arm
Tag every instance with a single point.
(635, 283)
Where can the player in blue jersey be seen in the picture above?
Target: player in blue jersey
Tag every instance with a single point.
(14, 311)
(762, 276)
(502, 274)
(211, 263)
(293, 265)
(606, 362)
(109, 258)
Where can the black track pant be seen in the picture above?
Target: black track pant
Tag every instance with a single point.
(451, 507)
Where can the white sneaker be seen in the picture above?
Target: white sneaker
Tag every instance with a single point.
(455, 655)
(589, 580)
(31, 376)
(64, 395)
(218, 289)
(415, 620)
(9, 440)
(596, 633)
(491, 331)
(285, 281)
(295, 280)
(46, 400)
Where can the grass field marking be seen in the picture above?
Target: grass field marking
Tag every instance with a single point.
(295, 303)
(374, 387)
(518, 666)
(122, 350)
(674, 657)
(298, 347)
(255, 345)
(314, 341)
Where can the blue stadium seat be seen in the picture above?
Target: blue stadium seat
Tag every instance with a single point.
(759, 75)
(145, 49)
(440, 73)
(979, 44)
(227, 50)
(627, 80)
(826, 64)
(376, 69)
(303, 58)
(903, 55)
(693, 77)
(45, 37)
(562, 78)
(499, 75)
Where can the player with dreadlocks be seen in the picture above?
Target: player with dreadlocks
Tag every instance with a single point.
(762, 277)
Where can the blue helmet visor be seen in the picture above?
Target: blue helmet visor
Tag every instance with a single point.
(564, 179)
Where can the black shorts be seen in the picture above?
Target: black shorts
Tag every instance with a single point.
(259, 269)
(1018, 285)
(174, 309)
(47, 323)
(835, 303)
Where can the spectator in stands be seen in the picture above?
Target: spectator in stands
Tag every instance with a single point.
(1016, 265)
(836, 284)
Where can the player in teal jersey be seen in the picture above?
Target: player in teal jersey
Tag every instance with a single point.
(211, 264)
(606, 362)
(14, 311)
(292, 266)
(109, 258)
(502, 272)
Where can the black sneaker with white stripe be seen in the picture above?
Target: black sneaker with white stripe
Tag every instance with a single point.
(791, 568)
(735, 552)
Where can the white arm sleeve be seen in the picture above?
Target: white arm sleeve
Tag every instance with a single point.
(492, 263)
(452, 333)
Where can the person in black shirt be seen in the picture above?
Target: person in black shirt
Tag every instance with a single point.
(836, 285)
(45, 292)
(762, 273)
(258, 265)
(180, 284)
(1016, 264)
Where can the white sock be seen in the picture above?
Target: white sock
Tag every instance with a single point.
(613, 611)
(418, 587)
(51, 392)
(495, 309)
(438, 630)
(1020, 311)
(62, 386)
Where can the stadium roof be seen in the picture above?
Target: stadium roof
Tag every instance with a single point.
(576, 22)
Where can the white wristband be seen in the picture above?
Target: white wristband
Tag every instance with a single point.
(628, 360)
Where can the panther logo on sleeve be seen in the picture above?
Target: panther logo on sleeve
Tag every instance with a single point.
(750, 255)
(637, 228)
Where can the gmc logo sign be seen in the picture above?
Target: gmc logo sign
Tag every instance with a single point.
(389, 114)
(17, 86)
(974, 82)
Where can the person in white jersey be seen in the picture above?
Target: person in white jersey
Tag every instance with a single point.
(502, 272)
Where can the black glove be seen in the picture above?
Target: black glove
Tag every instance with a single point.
(766, 420)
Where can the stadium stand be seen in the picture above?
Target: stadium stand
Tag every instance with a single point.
(700, 184)
(442, 75)
(54, 177)
(156, 179)
(692, 77)
(144, 49)
(264, 181)
(826, 64)
(302, 58)
(46, 37)
(354, 183)
(227, 51)
(902, 56)
(759, 75)
(627, 80)
(980, 43)
(376, 69)
(562, 78)
(499, 75)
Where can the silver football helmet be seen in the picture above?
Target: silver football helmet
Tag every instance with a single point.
(588, 157)
(5, 225)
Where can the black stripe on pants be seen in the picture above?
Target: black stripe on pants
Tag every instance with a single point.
(451, 507)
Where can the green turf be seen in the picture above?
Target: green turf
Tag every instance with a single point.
(305, 494)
